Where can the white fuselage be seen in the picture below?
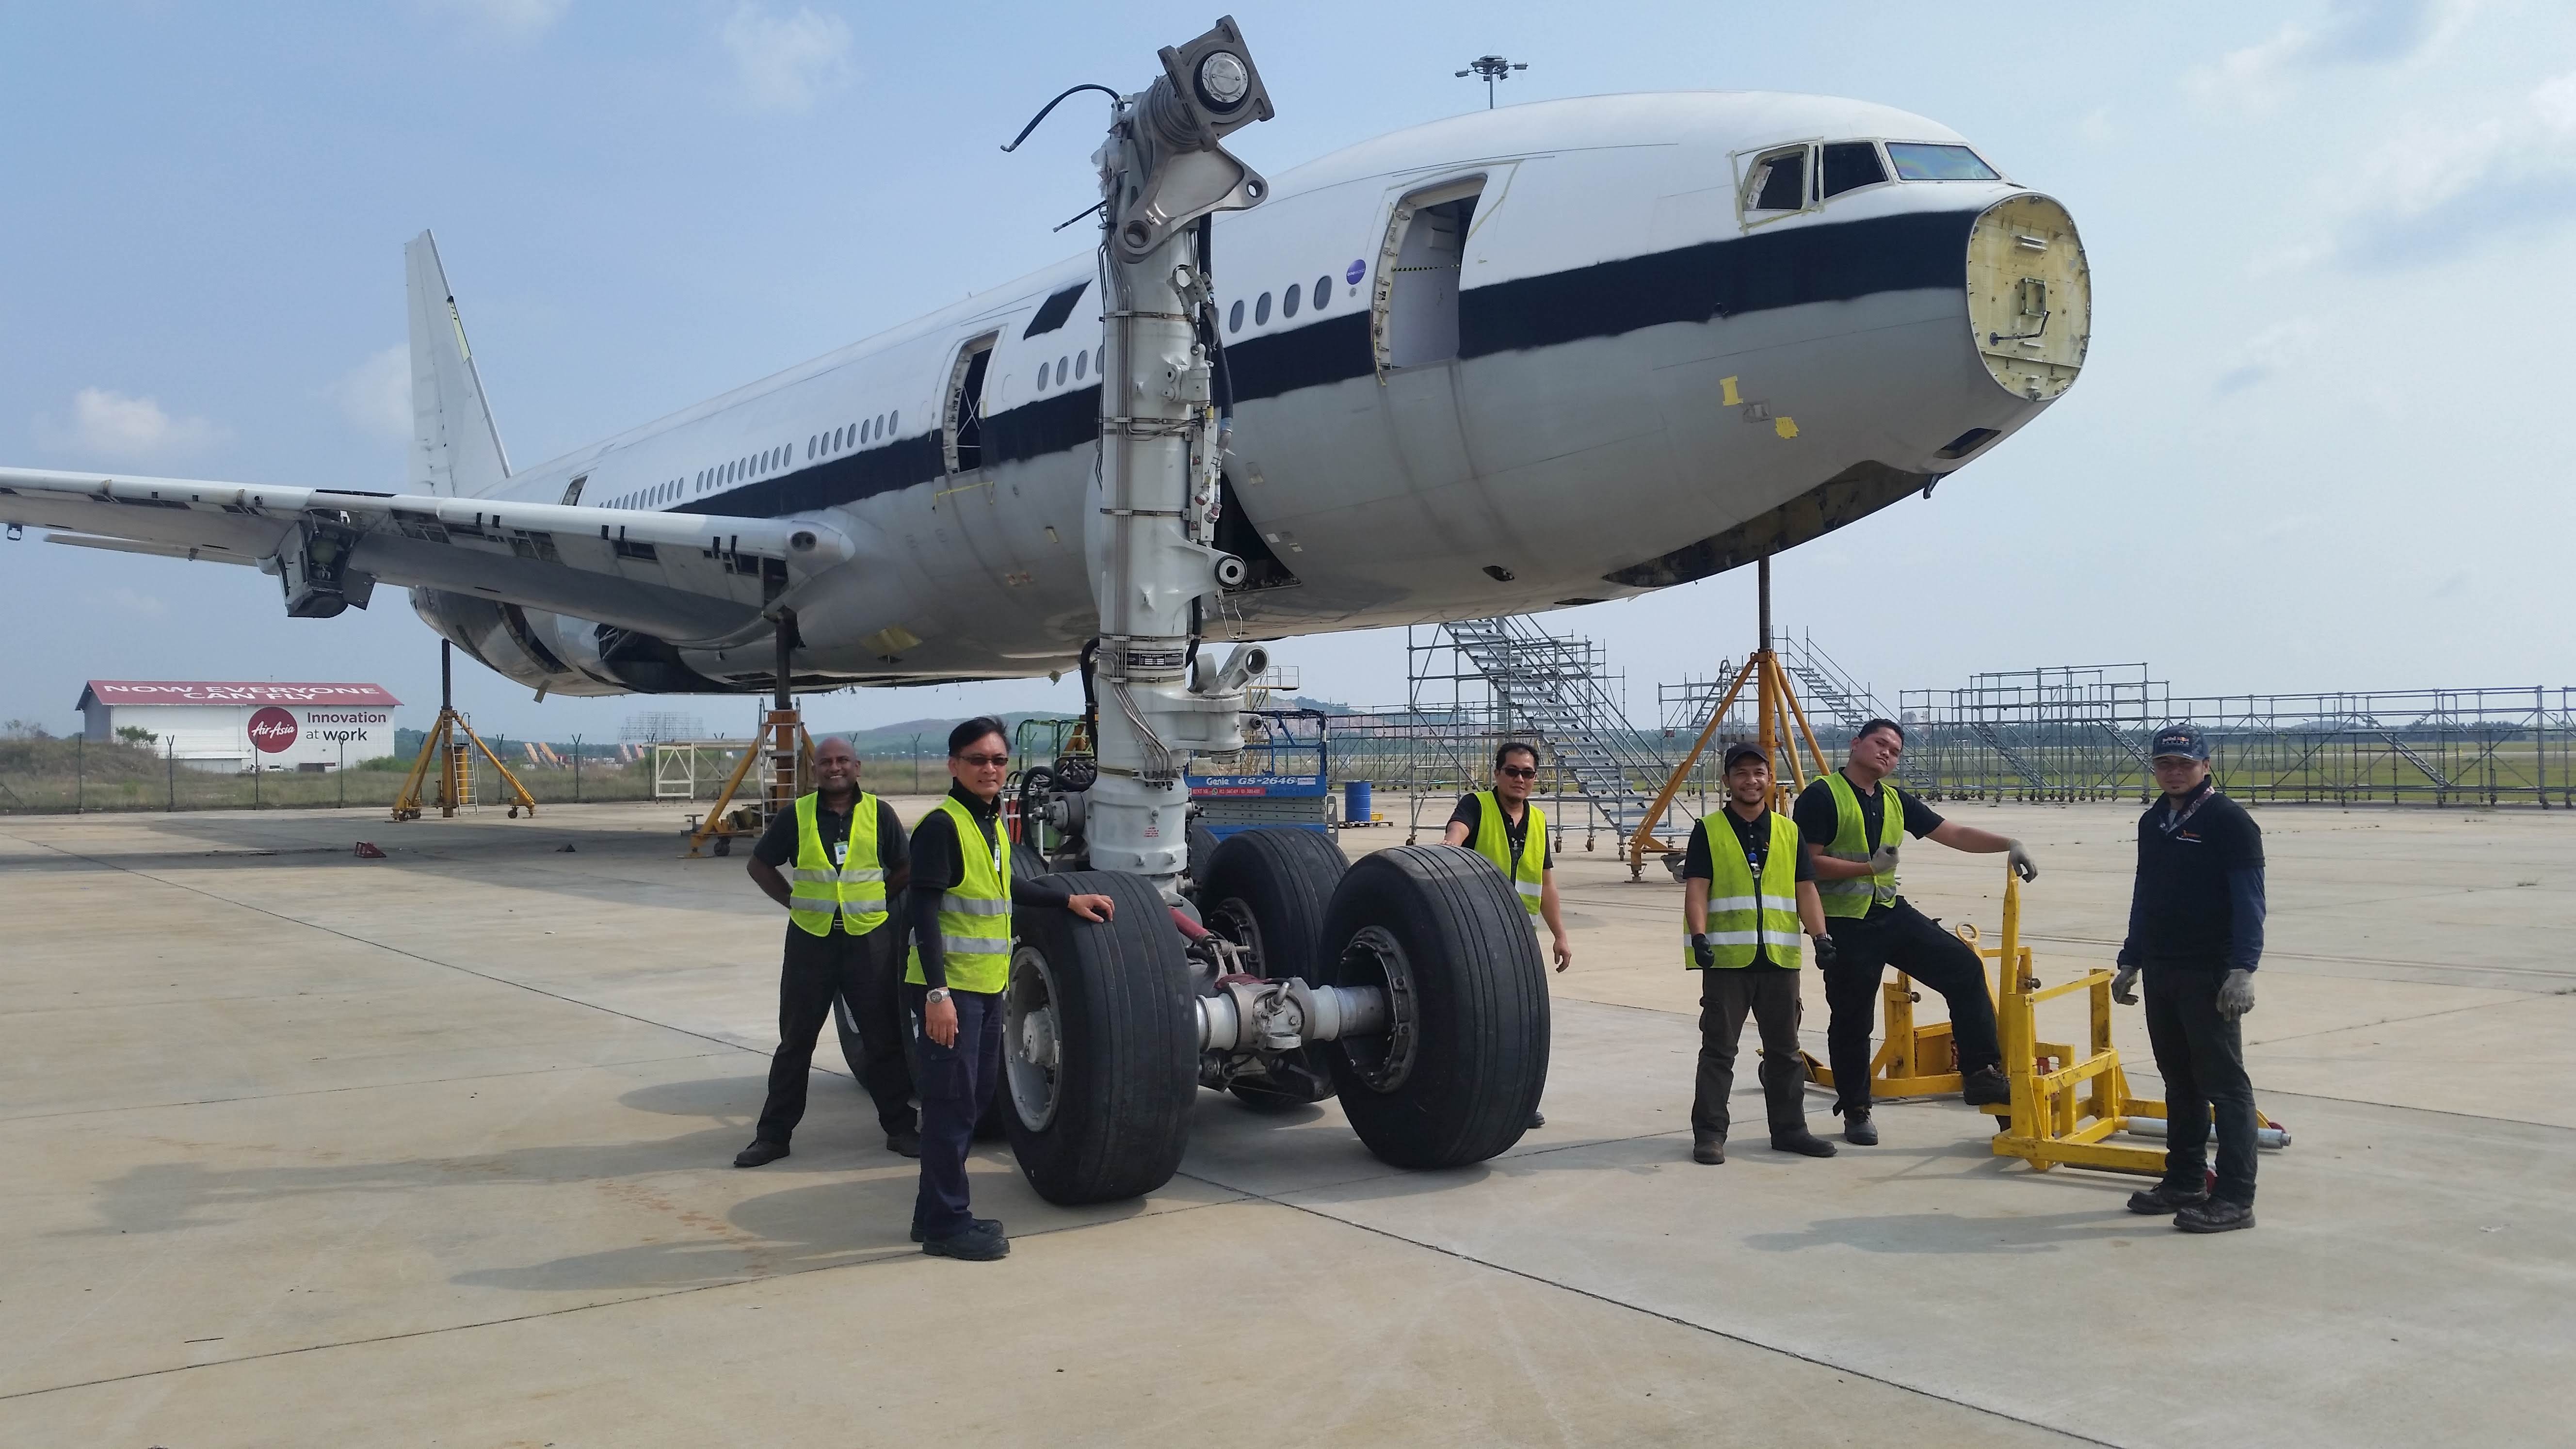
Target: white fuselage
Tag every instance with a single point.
(1596, 376)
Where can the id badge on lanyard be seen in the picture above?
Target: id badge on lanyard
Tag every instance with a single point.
(2173, 822)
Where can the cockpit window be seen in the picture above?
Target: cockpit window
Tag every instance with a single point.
(1922, 161)
(1850, 165)
(1778, 182)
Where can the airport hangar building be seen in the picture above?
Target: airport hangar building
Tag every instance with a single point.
(223, 727)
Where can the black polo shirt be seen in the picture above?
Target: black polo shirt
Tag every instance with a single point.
(1753, 837)
(1820, 820)
(2198, 900)
(777, 844)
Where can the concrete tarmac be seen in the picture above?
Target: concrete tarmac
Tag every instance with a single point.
(303, 1149)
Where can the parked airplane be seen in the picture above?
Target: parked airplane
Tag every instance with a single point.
(1538, 356)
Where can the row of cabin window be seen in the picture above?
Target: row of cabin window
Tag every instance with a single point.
(753, 466)
(1288, 300)
(1082, 365)
(848, 436)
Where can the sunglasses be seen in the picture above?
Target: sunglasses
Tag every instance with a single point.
(984, 762)
(1518, 772)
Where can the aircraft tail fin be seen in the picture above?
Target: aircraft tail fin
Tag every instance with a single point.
(455, 449)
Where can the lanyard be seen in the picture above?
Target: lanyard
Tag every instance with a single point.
(2173, 822)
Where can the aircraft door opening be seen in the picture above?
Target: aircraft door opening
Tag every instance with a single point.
(1415, 322)
(962, 424)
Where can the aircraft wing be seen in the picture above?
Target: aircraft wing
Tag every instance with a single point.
(688, 578)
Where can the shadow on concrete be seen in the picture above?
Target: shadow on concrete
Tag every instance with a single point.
(1948, 1233)
(799, 1230)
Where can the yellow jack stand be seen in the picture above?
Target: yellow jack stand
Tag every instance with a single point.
(791, 766)
(1775, 704)
(1912, 1061)
(443, 745)
(2065, 1109)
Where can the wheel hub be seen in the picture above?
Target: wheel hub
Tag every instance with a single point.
(1034, 1049)
(1375, 958)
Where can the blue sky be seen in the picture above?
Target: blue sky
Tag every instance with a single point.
(2320, 442)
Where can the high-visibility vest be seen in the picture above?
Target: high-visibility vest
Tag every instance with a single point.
(855, 890)
(974, 914)
(1745, 916)
(1851, 899)
(1527, 872)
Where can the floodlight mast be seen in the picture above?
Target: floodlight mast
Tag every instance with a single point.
(1150, 536)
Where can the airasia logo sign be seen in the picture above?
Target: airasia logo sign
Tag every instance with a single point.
(272, 730)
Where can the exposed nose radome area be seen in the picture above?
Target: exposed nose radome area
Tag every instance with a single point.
(2030, 296)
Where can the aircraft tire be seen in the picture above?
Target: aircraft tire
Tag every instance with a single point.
(1461, 1068)
(1203, 845)
(1111, 1118)
(1268, 889)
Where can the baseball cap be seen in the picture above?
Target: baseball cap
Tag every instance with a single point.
(2180, 739)
(1743, 752)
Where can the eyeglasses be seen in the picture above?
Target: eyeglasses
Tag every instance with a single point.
(984, 762)
(1519, 772)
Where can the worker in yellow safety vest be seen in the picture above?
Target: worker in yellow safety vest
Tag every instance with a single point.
(832, 862)
(1502, 825)
(1749, 901)
(1850, 823)
(963, 893)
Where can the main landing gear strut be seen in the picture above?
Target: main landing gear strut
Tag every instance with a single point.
(1410, 984)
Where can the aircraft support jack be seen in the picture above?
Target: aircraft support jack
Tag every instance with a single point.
(790, 753)
(1776, 704)
(444, 745)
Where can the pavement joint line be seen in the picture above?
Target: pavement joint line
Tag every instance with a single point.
(888, 1256)
(5, 1122)
(399, 951)
(2385, 1021)
(1690, 1325)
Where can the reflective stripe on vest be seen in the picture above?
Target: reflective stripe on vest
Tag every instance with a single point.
(1743, 917)
(856, 892)
(1851, 899)
(975, 915)
(1528, 871)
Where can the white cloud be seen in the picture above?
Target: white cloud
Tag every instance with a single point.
(2348, 32)
(375, 395)
(128, 601)
(2265, 353)
(787, 62)
(2449, 183)
(519, 19)
(115, 428)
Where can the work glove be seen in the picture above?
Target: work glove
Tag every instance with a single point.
(2124, 987)
(2236, 994)
(1882, 860)
(1826, 950)
(1701, 951)
(2022, 864)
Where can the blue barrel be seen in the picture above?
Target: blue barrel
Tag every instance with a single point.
(1355, 802)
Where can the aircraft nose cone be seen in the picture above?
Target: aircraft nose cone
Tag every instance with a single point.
(2030, 296)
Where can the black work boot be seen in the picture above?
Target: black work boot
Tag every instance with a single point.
(1802, 1142)
(2217, 1215)
(1707, 1149)
(1858, 1130)
(1538, 1119)
(761, 1151)
(904, 1143)
(972, 1245)
(973, 1225)
(1986, 1087)
(2164, 1197)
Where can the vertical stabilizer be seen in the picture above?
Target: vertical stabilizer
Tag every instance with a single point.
(455, 449)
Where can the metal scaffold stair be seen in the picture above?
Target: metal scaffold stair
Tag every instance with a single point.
(1825, 690)
(1551, 687)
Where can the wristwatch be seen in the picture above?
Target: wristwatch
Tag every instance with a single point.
(936, 993)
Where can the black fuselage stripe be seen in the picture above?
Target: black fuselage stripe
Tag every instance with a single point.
(1756, 273)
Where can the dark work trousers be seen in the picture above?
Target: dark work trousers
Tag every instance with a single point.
(955, 1083)
(2201, 1056)
(1904, 938)
(1771, 999)
(860, 970)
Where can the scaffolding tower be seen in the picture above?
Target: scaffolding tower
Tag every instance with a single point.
(2057, 732)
